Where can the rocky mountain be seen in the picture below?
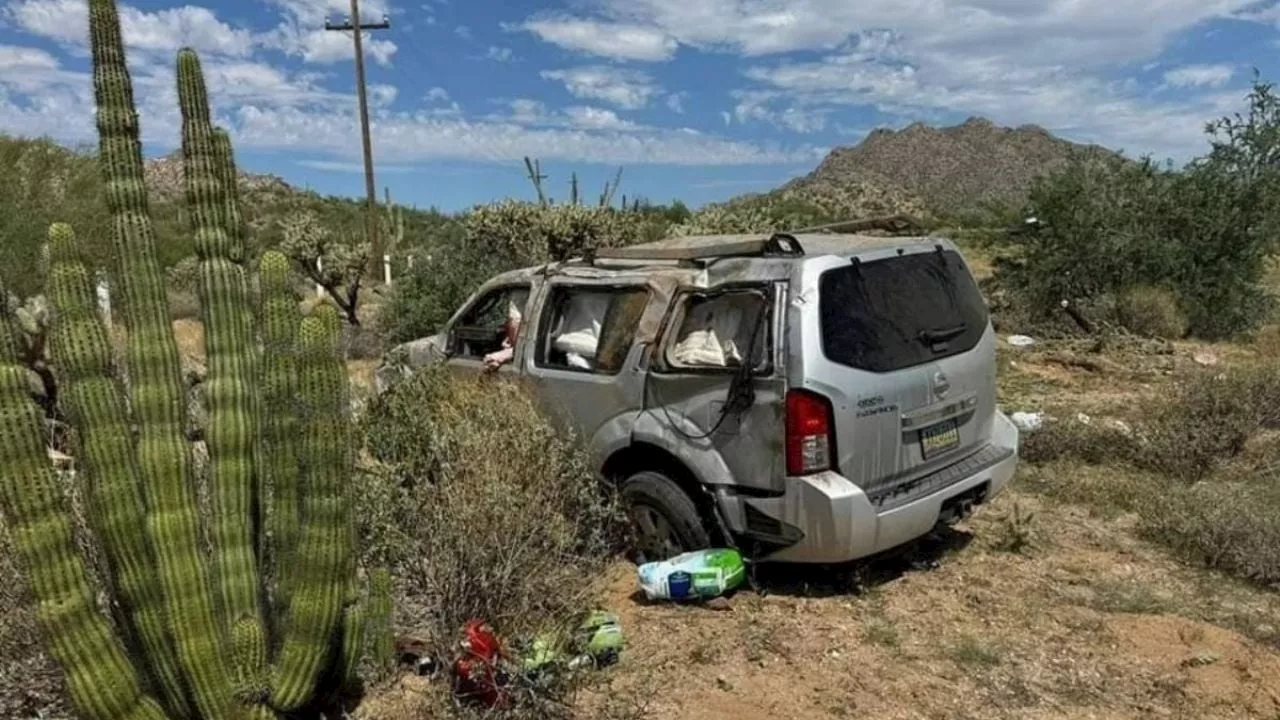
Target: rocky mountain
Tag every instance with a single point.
(940, 171)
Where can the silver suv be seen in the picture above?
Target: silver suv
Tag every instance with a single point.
(807, 398)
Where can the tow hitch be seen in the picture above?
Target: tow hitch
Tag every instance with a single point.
(961, 506)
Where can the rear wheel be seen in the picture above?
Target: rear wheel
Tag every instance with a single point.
(665, 520)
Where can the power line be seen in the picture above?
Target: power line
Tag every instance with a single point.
(356, 27)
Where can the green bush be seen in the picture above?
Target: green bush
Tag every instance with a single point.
(1204, 231)
(484, 510)
(423, 298)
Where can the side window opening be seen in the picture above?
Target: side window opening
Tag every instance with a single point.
(492, 325)
(590, 329)
(721, 331)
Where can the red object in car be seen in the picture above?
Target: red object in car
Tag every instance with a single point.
(477, 676)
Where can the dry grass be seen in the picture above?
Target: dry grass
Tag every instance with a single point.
(485, 512)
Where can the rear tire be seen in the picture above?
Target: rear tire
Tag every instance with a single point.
(663, 516)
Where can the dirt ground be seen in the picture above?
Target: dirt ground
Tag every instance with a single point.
(1030, 609)
(1084, 623)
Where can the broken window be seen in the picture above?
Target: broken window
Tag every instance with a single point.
(491, 324)
(721, 331)
(590, 329)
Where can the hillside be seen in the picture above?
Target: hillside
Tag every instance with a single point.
(932, 171)
(53, 183)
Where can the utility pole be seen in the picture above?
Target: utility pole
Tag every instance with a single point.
(371, 197)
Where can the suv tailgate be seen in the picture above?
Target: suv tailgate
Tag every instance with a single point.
(900, 342)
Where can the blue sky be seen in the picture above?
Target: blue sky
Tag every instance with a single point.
(696, 99)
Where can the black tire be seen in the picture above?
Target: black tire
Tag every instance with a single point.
(663, 516)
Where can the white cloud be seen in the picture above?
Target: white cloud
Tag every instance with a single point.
(1050, 62)
(757, 106)
(1199, 76)
(25, 59)
(463, 32)
(675, 102)
(619, 41)
(597, 119)
(1043, 31)
(320, 46)
(437, 94)
(314, 12)
(383, 95)
(166, 30)
(500, 54)
(627, 89)
(300, 33)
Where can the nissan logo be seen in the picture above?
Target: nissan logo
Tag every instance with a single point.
(941, 385)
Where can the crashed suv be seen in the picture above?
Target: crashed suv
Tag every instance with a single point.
(808, 398)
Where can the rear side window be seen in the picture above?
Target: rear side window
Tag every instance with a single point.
(899, 312)
(590, 329)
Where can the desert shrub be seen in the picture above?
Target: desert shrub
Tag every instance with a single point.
(184, 305)
(44, 182)
(1150, 311)
(361, 342)
(1071, 439)
(1208, 419)
(1234, 527)
(484, 509)
(425, 297)
(1204, 231)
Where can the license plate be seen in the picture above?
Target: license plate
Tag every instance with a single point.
(937, 439)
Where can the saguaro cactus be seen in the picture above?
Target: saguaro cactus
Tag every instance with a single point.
(226, 636)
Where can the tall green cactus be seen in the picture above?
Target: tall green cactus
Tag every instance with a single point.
(280, 443)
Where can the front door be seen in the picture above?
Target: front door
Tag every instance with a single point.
(490, 326)
(699, 388)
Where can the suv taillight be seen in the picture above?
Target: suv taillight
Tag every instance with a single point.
(809, 433)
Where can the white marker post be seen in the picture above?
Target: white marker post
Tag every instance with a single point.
(104, 301)
(386, 269)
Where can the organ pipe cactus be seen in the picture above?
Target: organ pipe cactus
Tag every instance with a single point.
(260, 628)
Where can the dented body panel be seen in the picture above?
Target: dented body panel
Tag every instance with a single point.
(917, 436)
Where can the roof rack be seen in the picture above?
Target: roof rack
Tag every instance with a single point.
(890, 223)
(706, 247)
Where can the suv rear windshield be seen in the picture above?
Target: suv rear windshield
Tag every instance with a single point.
(898, 312)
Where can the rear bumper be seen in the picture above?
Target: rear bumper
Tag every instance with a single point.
(825, 518)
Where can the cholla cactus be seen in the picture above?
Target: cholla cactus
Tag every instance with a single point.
(220, 636)
(532, 234)
(331, 263)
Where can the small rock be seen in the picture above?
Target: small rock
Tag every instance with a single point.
(1205, 358)
(1021, 341)
(723, 683)
(1201, 659)
(1027, 421)
(719, 604)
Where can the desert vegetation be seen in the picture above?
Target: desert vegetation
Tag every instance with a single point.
(204, 516)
